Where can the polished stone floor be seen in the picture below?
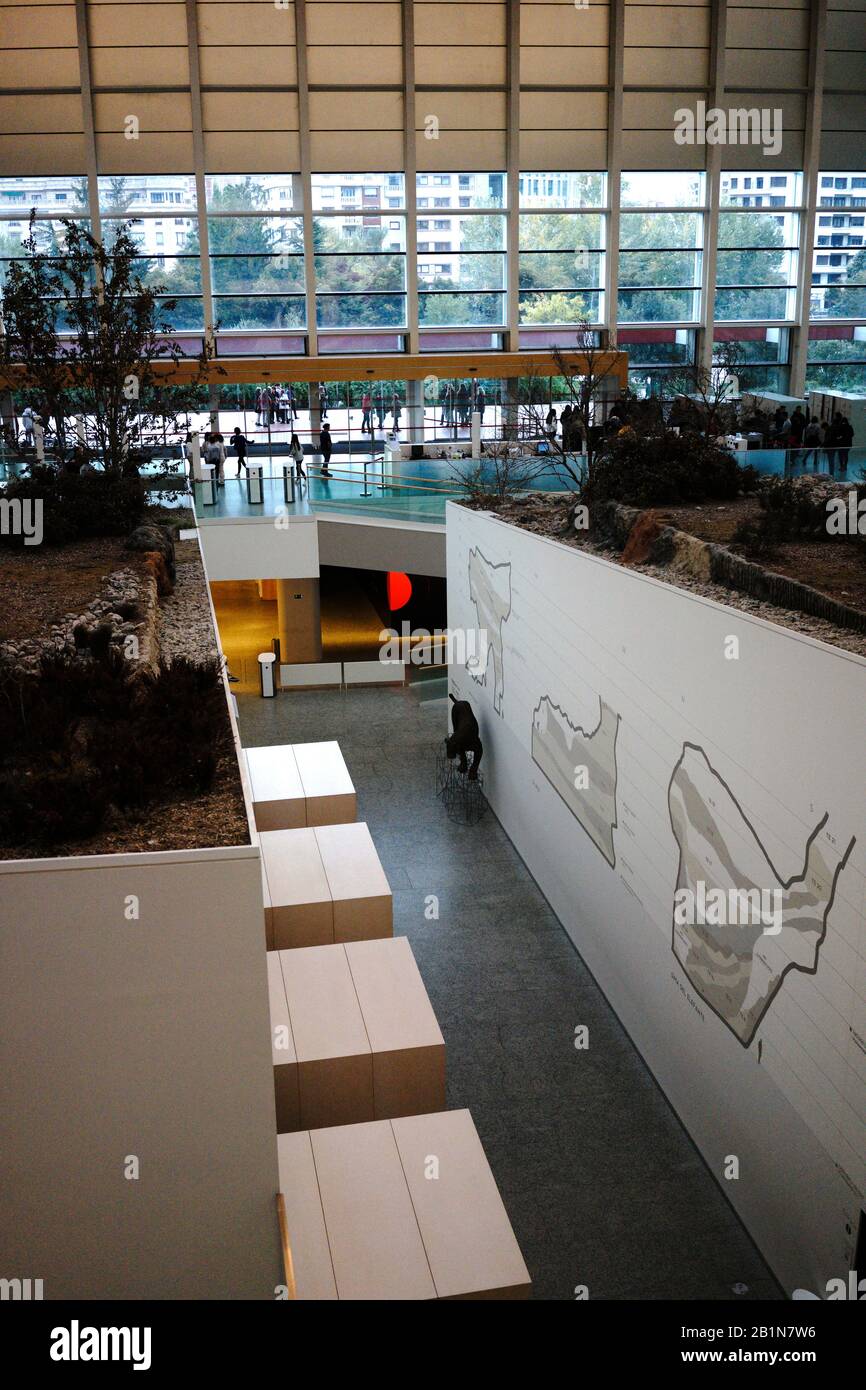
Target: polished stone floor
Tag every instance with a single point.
(603, 1185)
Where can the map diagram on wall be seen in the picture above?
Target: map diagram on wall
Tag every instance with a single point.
(738, 968)
(581, 767)
(490, 591)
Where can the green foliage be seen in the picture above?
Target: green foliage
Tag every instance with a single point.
(80, 740)
(119, 325)
(76, 506)
(663, 469)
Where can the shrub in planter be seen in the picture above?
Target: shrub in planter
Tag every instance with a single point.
(664, 468)
(80, 738)
(77, 506)
(792, 509)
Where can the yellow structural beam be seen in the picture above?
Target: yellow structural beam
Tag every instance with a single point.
(388, 367)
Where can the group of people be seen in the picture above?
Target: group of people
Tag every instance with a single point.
(213, 452)
(369, 408)
(277, 405)
(806, 436)
(457, 406)
(569, 423)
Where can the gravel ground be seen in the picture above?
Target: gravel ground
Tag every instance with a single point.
(185, 627)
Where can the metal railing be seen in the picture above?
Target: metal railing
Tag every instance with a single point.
(285, 1243)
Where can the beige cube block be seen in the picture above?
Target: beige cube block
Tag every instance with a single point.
(406, 1041)
(328, 789)
(362, 903)
(305, 1220)
(335, 1064)
(468, 1240)
(376, 1247)
(300, 911)
(279, 802)
(283, 1052)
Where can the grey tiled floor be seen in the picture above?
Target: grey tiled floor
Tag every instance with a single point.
(603, 1186)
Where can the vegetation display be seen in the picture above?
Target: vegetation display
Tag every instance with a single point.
(81, 741)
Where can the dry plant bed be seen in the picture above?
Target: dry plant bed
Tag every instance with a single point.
(836, 567)
(41, 586)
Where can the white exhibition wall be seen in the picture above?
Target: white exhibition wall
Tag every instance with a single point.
(629, 753)
(141, 1040)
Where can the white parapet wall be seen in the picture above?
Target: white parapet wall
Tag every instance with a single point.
(138, 1153)
(643, 746)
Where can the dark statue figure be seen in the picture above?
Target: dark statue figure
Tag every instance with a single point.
(464, 738)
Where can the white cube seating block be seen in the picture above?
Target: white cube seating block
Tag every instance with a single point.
(299, 784)
(323, 884)
(366, 1221)
(327, 785)
(364, 1039)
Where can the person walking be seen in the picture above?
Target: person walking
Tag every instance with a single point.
(240, 443)
(366, 413)
(811, 442)
(325, 447)
(259, 407)
(296, 449)
(380, 411)
(481, 404)
(396, 411)
(323, 401)
(447, 398)
(27, 422)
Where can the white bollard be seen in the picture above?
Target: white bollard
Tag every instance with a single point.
(476, 434)
(254, 485)
(267, 662)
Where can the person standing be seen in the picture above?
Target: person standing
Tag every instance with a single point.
(462, 404)
(380, 411)
(239, 444)
(481, 404)
(396, 411)
(259, 407)
(27, 422)
(296, 449)
(447, 403)
(212, 458)
(844, 438)
(187, 455)
(798, 429)
(323, 401)
(325, 447)
(366, 413)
